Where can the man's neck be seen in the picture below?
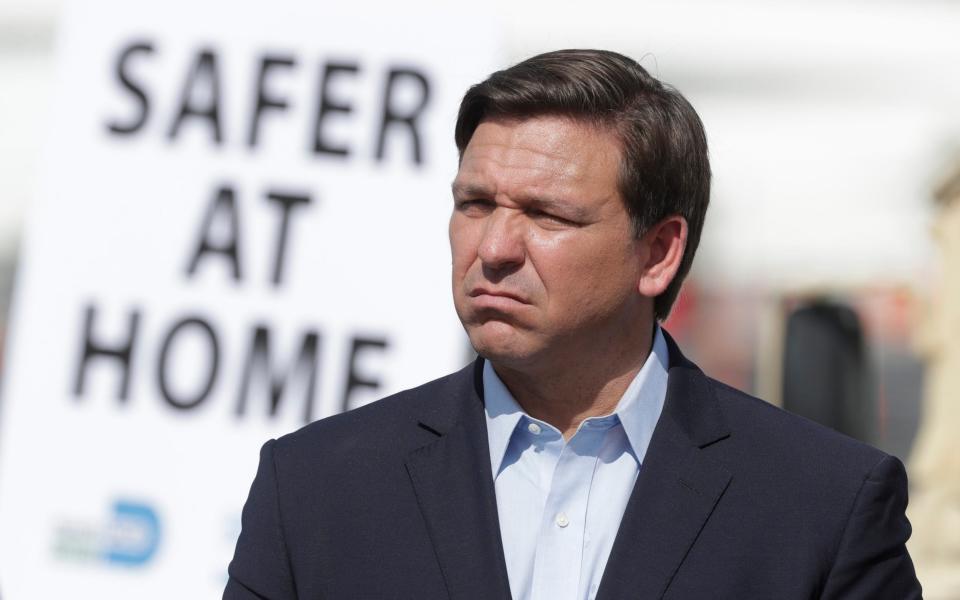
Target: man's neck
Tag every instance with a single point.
(565, 392)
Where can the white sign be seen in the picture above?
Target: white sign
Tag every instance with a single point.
(241, 227)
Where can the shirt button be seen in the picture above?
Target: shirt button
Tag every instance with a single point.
(533, 428)
(562, 520)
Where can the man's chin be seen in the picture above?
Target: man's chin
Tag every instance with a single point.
(502, 344)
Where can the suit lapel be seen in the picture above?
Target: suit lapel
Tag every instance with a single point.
(454, 486)
(677, 489)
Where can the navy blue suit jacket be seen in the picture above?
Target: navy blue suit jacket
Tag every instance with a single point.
(735, 499)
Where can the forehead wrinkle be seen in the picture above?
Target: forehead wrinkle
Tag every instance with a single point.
(490, 176)
(549, 143)
(533, 164)
(509, 166)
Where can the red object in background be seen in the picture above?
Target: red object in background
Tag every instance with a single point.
(684, 309)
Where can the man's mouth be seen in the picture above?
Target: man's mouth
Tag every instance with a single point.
(494, 295)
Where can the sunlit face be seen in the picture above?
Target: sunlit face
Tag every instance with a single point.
(545, 261)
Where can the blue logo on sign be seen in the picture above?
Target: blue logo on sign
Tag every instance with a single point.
(133, 535)
(129, 538)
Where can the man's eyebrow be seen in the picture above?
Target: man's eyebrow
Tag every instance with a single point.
(566, 209)
(470, 190)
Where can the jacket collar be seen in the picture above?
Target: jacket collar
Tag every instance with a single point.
(676, 491)
(453, 482)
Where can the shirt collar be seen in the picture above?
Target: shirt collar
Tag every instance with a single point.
(502, 412)
(638, 410)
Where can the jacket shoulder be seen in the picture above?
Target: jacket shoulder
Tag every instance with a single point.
(773, 434)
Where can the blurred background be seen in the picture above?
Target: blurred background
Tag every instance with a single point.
(827, 281)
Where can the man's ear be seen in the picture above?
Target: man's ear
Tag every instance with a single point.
(661, 249)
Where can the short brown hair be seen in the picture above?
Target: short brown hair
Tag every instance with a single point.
(664, 170)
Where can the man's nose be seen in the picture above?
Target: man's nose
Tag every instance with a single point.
(502, 244)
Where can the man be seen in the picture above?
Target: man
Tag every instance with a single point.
(582, 455)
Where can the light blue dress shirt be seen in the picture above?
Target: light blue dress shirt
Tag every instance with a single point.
(560, 503)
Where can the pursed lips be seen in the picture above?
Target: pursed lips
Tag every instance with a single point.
(496, 298)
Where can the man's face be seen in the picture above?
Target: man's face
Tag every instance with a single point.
(545, 262)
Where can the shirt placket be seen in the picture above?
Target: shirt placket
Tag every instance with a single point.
(559, 553)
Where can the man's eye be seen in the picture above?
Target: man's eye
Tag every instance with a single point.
(540, 215)
(474, 205)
